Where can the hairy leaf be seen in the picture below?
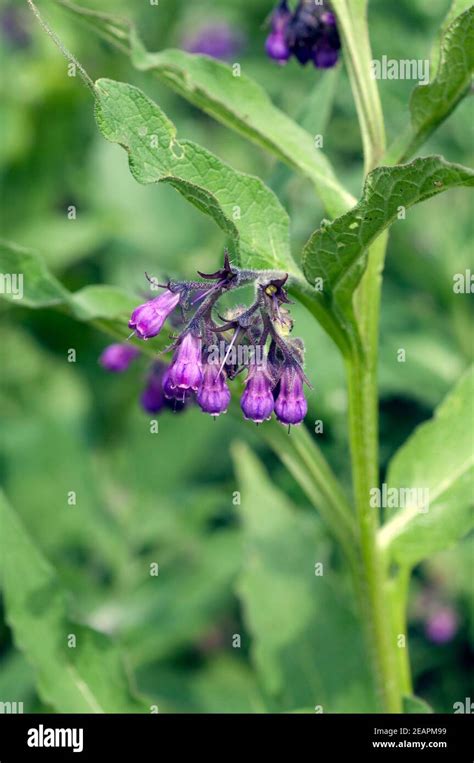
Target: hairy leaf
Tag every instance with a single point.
(439, 459)
(231, 97)
(240, 204)
(337, 252)
(431, 104)
(241, 104)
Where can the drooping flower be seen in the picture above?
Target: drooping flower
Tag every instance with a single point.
(117, 357)
(326, 51)
(256, 338)
(309, 34)
(213, 395)
(276, 44)
(291, 406)
(185, 371)
(257, 400)
(147, 320)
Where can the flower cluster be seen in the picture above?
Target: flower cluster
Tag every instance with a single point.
(309, 33)
(212, 349)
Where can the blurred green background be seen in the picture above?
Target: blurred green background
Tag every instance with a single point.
(169, 498)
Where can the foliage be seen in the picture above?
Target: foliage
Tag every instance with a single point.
(237, 618)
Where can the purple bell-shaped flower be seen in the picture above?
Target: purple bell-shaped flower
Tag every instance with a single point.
(185, 372)
(147, 320)
(213, 395)
(291, 406)
(257, 401)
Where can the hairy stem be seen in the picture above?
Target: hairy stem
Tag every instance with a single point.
(363, 429)
(364, 452)
(397, 591)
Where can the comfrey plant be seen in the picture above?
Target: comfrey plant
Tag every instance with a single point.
(210, 351)
(337, 278)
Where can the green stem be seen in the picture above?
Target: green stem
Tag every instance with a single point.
(364, 451)
(363, 434)
(352, 18)
(397, 590)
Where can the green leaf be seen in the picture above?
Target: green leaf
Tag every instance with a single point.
(292, 613)
(108, 308)
(240, 204)
(86, 678)
(431, 104)
(39, 288)
(241, 104)
(456, 9)
(337, 252)
(161, 619)
(236, 101)
(412, 704)
(439, 458)
(222, 684)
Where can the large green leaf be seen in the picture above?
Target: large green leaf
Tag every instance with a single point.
(293, 614)
(439, 458)
(232, 98)
(86, 678)
(337, 252)
(240, 103)
(108, 308)
(240, 204)
(431, 104)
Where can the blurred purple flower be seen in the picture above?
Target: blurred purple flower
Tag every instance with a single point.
(442, 625)
(153, 398)
(117, 357)
(218, 40)
(13, 26)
